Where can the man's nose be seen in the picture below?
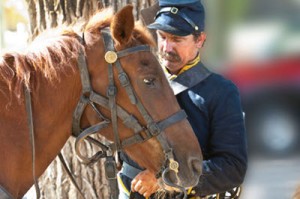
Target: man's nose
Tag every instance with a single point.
(167, 46)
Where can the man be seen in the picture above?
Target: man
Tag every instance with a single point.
(211, 102)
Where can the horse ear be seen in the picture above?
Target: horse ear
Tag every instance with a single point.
(122, 25)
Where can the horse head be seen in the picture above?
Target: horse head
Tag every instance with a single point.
(144, 92)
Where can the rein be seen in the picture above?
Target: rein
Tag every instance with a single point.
(32, 138)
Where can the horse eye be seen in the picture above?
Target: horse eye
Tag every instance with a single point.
(149, 81)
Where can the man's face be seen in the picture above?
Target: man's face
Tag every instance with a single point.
(176, 51)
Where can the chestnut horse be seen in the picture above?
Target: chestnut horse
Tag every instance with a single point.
(49, 70)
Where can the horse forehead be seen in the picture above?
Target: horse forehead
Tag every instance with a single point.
(147, 61)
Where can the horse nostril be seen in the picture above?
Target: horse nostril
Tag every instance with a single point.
(196, 166)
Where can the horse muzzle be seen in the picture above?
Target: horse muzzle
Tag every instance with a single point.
(173, 182)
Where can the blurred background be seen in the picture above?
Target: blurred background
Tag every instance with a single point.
(256, 44)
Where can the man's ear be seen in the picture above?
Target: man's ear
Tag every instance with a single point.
(201, 40)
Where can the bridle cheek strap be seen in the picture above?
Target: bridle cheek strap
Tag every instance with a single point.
(154, 129)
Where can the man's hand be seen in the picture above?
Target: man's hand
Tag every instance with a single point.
(145, 183)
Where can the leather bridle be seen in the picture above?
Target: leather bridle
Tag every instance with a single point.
(141, 133)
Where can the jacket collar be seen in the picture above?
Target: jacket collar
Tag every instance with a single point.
(189, 78)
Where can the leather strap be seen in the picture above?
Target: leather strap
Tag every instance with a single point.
(146, 134)
(112, 91)
(84, 135)
(172, 119)
(131, 50)
(111, 176)
(86, 88)
(32, 139)
(68, 170)
(85, 80)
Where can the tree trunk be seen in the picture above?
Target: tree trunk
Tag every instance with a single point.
(54, 183)
(51, 13)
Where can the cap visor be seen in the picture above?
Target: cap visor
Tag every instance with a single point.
(168, 29)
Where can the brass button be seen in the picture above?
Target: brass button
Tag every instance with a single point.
(110, 57)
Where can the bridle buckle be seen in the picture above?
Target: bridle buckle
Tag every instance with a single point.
(111, 91)
(154, 129)
(174, 10)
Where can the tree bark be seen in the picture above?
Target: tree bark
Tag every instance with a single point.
(51, 13)
(55, 183)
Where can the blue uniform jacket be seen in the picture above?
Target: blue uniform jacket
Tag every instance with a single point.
(214, 111)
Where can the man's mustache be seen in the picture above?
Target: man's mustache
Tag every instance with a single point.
(170, 56)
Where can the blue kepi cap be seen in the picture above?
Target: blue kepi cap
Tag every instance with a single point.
(182, 17)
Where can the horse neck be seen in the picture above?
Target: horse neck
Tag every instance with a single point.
(53, 106)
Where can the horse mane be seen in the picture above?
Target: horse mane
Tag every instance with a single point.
(55, 52)
(48, 55)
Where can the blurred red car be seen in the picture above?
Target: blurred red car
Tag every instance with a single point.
(270, 92)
